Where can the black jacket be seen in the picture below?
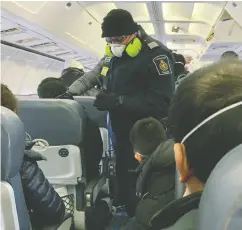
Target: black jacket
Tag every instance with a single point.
(44, 204)
(145, 83)
(155, 185)
(178, 215)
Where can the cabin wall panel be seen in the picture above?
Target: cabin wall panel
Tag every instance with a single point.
(22, 71)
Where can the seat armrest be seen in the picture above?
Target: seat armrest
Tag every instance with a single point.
(92, 190)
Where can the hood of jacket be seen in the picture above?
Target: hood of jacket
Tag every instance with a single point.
(161, 163)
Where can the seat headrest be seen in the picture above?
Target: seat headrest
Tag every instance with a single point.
(60, 122)
(99, 117)
(12, 144)
(221, 202)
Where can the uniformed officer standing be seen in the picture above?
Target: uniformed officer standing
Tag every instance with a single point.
(137, 75)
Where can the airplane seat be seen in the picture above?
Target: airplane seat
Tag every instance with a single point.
(179, 187)
(12, 152)
(8, 214)
(95, 115)
(62, 123)
(221, 202)
(100, 118)
(60, 117)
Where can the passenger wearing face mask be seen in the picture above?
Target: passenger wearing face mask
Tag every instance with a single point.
(136, 74)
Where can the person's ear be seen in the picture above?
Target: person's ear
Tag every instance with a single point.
(182, 162)
(138, 156)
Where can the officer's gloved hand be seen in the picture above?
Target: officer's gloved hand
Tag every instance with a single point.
(105, 101)
(66, 95)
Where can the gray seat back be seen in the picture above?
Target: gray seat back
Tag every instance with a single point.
(99, 117)
(221, 202)
(60, 122)
(12, 151)
(9, 216)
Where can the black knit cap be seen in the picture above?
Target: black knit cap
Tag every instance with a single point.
(118, 22)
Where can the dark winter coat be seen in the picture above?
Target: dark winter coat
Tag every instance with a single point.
(44, 204)
(155, 185)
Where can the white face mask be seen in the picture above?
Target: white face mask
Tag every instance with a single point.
(117, 49)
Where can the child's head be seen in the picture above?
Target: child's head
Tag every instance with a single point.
(145, 137)
(8, 100)
(51, 88)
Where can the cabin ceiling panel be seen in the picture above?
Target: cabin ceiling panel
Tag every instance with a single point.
(139, 11)
(148, 27)
(177, 11)
(56, 19)
(77, 30)
(100, 10)
(31, 6)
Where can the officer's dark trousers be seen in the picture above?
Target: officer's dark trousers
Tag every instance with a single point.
(126, 181)
(93, 148)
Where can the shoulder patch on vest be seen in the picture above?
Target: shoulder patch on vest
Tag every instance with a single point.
(107, 59)
(162, 64)
(152, 45)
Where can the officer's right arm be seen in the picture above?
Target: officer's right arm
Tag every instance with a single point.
(87, 81)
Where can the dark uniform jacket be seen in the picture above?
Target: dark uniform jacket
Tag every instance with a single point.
(155, 185)
(145, 82)
(44, 204)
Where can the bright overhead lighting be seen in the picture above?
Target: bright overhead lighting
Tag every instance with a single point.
(100, 10)
(208, 12)
(30, 11)
(148, 27)
(138, 10)
(76, 38)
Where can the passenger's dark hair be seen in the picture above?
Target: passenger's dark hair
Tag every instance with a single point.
(8, 99)
(51, 88)
(146, 135)
(207, 91)
(71, 74)
(229, 54)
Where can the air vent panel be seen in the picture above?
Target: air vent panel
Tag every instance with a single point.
(11, 31)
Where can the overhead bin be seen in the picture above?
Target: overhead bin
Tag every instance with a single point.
(235, 9)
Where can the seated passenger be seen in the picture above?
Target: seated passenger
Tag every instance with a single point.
(179, 68)
(156, 181)
(51, 88)
(44, 204)
(206, 123)
(72, 73)
(145, 136)
(75, 74)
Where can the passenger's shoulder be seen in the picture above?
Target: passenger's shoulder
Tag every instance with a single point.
(187, 221)
(177, 215)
